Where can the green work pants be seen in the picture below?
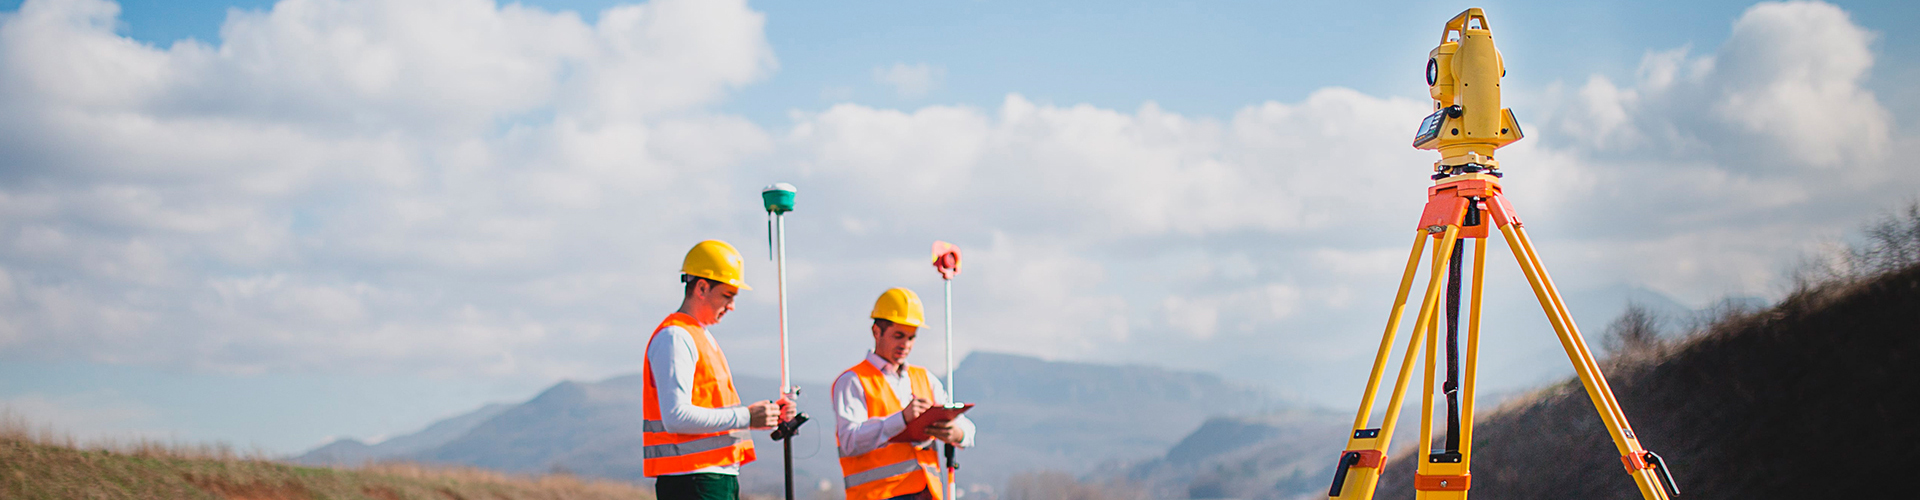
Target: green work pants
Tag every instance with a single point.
(704, 486)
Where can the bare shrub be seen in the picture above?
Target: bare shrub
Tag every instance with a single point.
(1889, 243)
(1635, 333)
(1893, 242)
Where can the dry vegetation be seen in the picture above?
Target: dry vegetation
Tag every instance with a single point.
(39, 462)
(1809, 398)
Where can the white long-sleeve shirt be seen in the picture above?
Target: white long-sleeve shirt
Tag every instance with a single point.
(672, 356)
(858, 433)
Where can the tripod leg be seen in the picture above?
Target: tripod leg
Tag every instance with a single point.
(1431, 323)
(1358, 471)
(1473, 353)
(1424, 445)
(1393, 326)
(1632, 456)
(1422, 328)
(1443, 475)
(1366, 447)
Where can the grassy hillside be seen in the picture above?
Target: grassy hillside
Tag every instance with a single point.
(1812, 398)
(46, 465)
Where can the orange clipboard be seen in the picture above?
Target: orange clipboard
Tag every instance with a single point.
(916, 430)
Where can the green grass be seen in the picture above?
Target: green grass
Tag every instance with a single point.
(39, 463)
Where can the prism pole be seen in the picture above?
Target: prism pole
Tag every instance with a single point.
(778, 200)
(946, 259)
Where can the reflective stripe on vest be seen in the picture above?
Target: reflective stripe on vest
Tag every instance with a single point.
(886, 471)
(698, 445)
(670, 453)
(896, 468)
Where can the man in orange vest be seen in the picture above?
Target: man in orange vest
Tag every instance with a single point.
(874, 400)
(695, 433)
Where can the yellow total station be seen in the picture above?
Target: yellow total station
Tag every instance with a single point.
(1463, 76)
(1464, 207)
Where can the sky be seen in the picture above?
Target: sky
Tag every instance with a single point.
(274, 224)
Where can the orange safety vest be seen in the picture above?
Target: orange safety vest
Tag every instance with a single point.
(670, 453)
(896, 468)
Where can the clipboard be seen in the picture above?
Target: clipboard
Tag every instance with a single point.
(916, 430)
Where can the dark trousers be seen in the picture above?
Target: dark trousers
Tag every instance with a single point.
(922, 495)
(703, 486)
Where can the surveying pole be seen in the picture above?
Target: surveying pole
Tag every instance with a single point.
(946, 260)
(778, 200)
(1467, 125)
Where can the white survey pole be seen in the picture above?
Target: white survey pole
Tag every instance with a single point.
(950, 396)
(778, 200)
(780, 266)
(946, 260)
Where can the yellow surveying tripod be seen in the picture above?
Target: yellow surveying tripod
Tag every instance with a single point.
(1468, 124)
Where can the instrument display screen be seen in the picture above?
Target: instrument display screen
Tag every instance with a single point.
(1429, 128)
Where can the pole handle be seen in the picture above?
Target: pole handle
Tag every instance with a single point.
(789, 428)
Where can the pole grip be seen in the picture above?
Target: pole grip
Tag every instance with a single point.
(789, 428)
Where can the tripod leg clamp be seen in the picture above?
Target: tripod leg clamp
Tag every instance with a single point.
(1637, 462)
(1365, 459)
(1442, 483)
(1369, 459)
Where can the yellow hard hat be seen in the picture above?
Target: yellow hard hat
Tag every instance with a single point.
(901, 306)
(718, 261)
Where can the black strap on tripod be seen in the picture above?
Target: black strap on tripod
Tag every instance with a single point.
(1452, 387)
(1451, 453)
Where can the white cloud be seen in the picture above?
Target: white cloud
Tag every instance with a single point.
(1721, 163)
(358, 183)
(910, 81)
(1200, 315)
(456, 188)
(1784, 92)
(1103, 173)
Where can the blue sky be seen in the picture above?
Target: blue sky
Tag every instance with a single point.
(385, 229)
(1207, 58)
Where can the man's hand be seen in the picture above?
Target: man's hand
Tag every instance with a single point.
(945, 431)
(763, 415)
(915, 408)
(787, 408)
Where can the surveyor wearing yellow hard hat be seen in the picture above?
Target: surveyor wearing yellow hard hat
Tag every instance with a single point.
(874, 400)
(694, 435)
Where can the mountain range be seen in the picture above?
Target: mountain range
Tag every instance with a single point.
(1032, 415)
